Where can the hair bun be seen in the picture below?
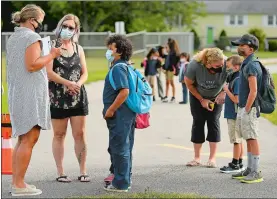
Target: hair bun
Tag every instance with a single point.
(16, 17)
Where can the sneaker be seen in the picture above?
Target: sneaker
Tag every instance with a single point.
(182, 102)
(154, 99)
(28, 191)
(231, 168)
(27, 185)
(253, 177)
(165, 99)
(109, 179)
(242, 174)
(172, 99)
(114, 189)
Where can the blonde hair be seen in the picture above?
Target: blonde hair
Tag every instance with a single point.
(209, 55)
(235, 60)
(28, 12)
(76, 20)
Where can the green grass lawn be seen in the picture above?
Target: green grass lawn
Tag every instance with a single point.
(273, 116)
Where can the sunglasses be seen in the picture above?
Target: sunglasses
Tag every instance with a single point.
(69, 27)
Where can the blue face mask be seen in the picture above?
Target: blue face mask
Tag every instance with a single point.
(66, 34)
(109, 55)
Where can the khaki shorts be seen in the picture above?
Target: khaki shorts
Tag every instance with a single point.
(169, 75)
(234, 136)
(247, 123)
(151, 80)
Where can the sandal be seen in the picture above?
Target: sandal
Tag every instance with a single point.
(84, 178)
(193, 163)
(211, 164)
(63, 179)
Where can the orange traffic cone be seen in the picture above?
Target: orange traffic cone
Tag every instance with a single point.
(7, 148)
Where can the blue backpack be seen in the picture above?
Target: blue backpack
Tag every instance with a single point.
(140, 93)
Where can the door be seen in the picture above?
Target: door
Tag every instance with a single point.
(210, 35)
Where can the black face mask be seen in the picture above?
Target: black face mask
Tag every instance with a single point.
(216, 70)
(38, 29)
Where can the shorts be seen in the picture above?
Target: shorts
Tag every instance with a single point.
(200, 117)
(247, 123)
(60, 113)
(151, 79)
(234, 136)
(169, 75)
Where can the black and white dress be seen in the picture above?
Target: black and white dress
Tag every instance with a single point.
(63, 104)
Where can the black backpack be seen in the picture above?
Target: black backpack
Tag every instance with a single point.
(266, 97)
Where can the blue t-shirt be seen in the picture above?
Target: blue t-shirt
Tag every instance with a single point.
(248, 68)
(230, 111)
(120, 77)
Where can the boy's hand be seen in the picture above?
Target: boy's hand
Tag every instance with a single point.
(225, 87)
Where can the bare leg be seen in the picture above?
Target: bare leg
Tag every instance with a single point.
(59, 128)
(14, 160)
(213, 148)
(167, 87)
(237, 152)
(23, 155)
(78, 124)
(197, 151)
(173, 87)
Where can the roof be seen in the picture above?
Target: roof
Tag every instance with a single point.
(241, 6)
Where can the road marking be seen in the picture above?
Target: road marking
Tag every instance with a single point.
(219, 154)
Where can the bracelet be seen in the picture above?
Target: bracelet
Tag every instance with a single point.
(201, 100)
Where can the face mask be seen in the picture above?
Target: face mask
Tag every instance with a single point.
(241, 52)
(38, 29)
(216, 70)
(66, 34)
(183, 60)
(109, 55)
(155, 58)
(165, 52)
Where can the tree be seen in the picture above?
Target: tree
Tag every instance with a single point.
(260, 34)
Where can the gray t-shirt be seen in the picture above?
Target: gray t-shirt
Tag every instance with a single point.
(207, 84)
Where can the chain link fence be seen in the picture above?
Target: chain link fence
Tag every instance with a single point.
(142, 41)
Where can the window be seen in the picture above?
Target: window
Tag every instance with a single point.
(240, 20)
(272, 20)
(232, 20)
(237, 20)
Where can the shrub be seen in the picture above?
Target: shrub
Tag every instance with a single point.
(196, 40)
(223, 40)
(272, 45)
(260, 34)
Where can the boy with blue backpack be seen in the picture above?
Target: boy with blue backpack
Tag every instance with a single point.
(126, 93)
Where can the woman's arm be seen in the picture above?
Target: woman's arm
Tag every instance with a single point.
(84, 72)
(33, 59)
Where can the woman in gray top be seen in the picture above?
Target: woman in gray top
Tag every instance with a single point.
(205, 77)
(27, 91)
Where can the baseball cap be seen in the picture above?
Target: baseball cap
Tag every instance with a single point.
(247, 39)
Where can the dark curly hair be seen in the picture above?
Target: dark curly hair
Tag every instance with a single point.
(123, 45)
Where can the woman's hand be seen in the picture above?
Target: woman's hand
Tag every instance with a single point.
(55, 52)
(73, 87)
(205, 104)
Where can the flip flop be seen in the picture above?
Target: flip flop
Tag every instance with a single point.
(211, 164)
(193, 163)
(84, 178)
(63, 179)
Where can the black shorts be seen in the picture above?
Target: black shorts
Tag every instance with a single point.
(59, 113)
(200, 116)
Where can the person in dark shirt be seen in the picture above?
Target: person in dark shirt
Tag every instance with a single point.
(171, 62)
(151, 64)
(230, 113)
(248, 110)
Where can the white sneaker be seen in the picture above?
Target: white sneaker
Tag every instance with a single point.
(28, 191)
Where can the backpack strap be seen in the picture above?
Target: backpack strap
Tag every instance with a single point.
(111, 75)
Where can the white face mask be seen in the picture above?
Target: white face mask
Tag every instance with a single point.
(165, 52)
(155, 58)
(66, 34)
(183, 60)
